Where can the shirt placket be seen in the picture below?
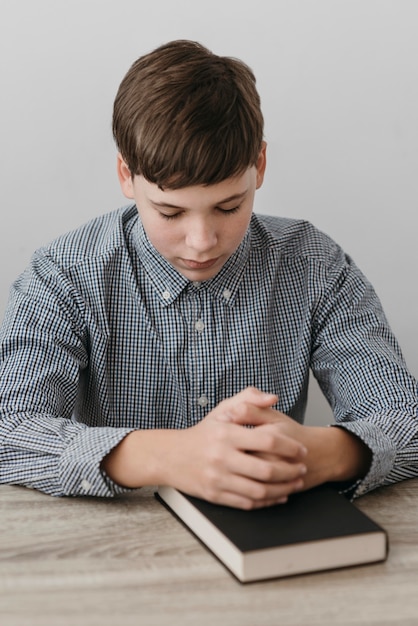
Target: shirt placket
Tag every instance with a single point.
(199, 352)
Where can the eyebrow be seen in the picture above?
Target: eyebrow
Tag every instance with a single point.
(168, 205)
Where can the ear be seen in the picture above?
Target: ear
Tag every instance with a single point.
(261, 165)
(125, 177)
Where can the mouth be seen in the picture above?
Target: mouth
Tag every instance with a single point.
(199, 265)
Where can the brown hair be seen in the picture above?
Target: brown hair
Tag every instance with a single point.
(185, 116)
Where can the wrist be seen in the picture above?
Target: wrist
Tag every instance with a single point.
(354, 456)
(139, 459)
(335, 455)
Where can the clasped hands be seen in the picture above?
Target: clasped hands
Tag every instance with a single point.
(244, 467)
(220, 460)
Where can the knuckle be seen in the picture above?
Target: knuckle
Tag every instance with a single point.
(270, 441)
(211, 489)
(260, 492)
(244, 411)
(248, 505)
(220, 435)
(210, 464)
(211, 495)
(267, 472)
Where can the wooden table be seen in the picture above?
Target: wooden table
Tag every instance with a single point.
(84, 562)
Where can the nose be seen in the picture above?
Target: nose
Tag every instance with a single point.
(201, 236)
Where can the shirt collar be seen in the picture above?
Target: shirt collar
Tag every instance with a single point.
(169, 283)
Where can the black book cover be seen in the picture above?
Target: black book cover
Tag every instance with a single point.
(320, 513)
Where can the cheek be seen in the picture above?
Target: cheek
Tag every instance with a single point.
(162, 235)
(239, 228)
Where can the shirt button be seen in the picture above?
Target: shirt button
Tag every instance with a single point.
(85, 485)
(166, 295)
(226, 294)
(196, 283)
(199, 326)
(203, 401)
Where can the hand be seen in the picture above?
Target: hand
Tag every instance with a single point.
(222, 462)
(333, 454)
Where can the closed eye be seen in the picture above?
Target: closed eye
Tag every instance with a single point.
(172, 216)
(169, 216)
(229, 211)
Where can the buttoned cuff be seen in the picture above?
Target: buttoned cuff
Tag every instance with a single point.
(383, 456)
(79, 468)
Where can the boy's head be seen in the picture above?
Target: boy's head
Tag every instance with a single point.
(184, 116)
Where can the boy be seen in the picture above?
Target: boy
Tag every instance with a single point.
(135, 349)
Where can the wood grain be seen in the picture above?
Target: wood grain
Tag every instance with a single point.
(127, 561)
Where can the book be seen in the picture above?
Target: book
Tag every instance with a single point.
(314, 530)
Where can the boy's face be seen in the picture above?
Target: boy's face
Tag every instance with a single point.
(195, 228)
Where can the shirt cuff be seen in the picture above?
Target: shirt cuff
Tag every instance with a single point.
(383, 456)
(80, 473)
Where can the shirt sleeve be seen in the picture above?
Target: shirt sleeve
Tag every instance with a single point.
(360, 369)
(43, 348)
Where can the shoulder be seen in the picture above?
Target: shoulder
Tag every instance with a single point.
(76, 266)
(100, 237)
(293, 239)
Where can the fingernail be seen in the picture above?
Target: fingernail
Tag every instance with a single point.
(269, 396)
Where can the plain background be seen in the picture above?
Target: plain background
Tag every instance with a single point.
(339, 89)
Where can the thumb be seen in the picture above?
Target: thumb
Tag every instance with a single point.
(259, 398)
(243, 408)
(237, 408)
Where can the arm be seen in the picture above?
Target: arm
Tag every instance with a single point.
(360, 369)
(240, 467)
(43, 349)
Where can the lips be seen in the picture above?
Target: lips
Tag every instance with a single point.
(199, 265)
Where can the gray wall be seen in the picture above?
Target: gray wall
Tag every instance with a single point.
(338, 81)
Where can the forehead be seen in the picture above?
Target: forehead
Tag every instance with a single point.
(197, 195)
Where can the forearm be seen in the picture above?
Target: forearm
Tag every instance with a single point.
(58, 456)
(334, 455)
(141, 457)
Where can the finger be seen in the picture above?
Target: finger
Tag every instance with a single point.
(252, 395)
(247, 414)
(267, 441)
(241, 404)
(268, 470)
(247, 493)
(241, 502)
(254, 416)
